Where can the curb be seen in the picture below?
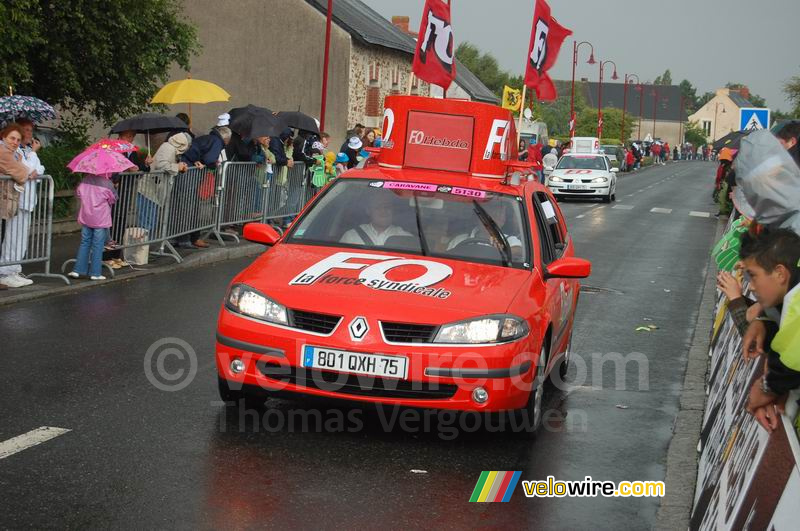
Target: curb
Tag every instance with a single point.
(681, 468)
(209, 256)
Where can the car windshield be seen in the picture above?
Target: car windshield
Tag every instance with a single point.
(418, 218)
(581, 163)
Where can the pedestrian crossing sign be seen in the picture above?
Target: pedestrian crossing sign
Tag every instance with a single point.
(753, 119)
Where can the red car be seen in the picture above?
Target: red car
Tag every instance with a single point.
(436, 276)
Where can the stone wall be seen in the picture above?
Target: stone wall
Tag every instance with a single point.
(375, 73)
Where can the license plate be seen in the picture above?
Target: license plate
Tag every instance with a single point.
(577, 187)
(355, 362)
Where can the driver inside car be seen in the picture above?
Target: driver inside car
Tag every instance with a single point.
(497, 211)
(380, 228)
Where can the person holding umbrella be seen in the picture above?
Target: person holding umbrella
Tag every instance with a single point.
(97, 195)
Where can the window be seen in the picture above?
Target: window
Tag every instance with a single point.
(552, 223)
(707, 127)
(418, 218)
(582, 162)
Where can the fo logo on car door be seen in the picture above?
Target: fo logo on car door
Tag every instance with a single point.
(358, 328)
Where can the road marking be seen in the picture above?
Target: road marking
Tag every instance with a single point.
(699, 214)
(661, 210)
(579, 217)
(27, 440)
(623, 207)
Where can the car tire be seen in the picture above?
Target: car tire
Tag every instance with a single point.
(239, 397)
(607, 198)
(531, 415)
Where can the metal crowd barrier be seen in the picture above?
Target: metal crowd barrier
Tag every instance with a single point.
(154, 208)
(247, 193)
(27, 237)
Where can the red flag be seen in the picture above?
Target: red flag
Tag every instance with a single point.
(547, 36)
(434, 60)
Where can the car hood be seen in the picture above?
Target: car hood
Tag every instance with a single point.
(388, 285)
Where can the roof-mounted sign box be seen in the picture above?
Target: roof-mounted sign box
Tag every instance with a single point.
(448, 135)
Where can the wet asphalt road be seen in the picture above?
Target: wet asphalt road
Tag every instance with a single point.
(140, 457)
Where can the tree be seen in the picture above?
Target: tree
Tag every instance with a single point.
(694, 134)
(705, 98)
(664, 79)
(101, 58)
(612, 124)
(689, 93)
(792, 91)
(486, 68)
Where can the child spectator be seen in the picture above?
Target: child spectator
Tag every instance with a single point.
(341, 163)
(97, 194)
(772, 259)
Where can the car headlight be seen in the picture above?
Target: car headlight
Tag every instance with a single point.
(247, 301)
(488, 329)
(600, 180)
(556, 179)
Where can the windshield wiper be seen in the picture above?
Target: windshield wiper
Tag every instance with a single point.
(495, 232)
(423, 244)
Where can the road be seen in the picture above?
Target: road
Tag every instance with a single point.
(139, 456)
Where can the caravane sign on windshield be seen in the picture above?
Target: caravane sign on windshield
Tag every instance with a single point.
(450, 135)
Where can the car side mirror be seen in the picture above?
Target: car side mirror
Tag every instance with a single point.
(568, 268)
(614, 170)
(261, 233)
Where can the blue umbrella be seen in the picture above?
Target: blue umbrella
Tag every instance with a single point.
(34, 109)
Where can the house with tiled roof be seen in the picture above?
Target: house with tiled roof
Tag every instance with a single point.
(720, 115)
(270, 53)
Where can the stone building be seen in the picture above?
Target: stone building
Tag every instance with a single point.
(720, 115)
(270, 53)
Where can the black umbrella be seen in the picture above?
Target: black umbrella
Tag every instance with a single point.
(150, 122)
(731, 140)
(300, 121)
(252, 122)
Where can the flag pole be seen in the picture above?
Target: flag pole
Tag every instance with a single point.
(521, 108)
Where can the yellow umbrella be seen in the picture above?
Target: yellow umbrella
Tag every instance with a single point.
(190, 91)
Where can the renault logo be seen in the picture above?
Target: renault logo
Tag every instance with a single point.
(358, 328)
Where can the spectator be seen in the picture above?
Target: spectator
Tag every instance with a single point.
(789, 136)
(205, 150)
(97, 195)
(239, 149)
(341, 163)
(772, 260)
(369, 138)
(535, 157)
(522, 153)
(142, 162)
(675, 155)
(722, 185)
(655, 151)
(357, 131)
(13, 165)
(550, 160)
(630, 160)
(182, 116)
(152, 191)
(353, 148)
(282, 148)
(18, 227)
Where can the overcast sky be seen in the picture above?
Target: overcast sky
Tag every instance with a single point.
(708, 42)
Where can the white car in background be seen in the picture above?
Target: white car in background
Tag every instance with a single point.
(584, 175)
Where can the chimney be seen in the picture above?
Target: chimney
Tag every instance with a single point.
(745, 92)
(401, 22)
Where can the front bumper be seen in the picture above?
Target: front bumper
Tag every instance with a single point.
(593, 190)
(439, 377)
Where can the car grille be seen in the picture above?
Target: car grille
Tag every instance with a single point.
(408, 333)
(567, 191)
(319, 323)
(356, 385)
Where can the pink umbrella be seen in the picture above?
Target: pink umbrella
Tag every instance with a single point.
(114, 144)
(99, 162)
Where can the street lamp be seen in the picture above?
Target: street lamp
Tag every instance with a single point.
(716, 110)
(600, 95)
(575, 46)
(628, 79)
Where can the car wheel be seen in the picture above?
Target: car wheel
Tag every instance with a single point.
(239, 396)
(564, 366)
(533, 412)
(607, 198)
